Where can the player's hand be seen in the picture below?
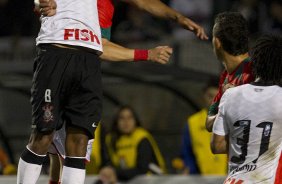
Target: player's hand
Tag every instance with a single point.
(227, 86)
(160, 54)
(192, 26)
(47, 7)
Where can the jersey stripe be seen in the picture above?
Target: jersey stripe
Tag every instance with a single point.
(278, 177)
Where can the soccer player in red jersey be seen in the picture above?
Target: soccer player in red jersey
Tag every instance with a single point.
(230, 43)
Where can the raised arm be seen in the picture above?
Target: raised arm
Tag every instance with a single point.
(114, 52)
(161, 10)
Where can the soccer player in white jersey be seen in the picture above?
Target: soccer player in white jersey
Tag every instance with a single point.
(66, 88)
(249, 124)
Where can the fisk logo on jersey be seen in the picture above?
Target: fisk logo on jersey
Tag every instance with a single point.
(233, 181)
(81, 34)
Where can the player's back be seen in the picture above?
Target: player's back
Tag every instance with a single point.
(254, 120)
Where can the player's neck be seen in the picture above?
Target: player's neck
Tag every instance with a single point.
(232, 62)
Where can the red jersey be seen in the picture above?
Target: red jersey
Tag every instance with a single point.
(106, 12)
(241, 75)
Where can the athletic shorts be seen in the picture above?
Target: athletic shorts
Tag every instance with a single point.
(66, 87)
(58, 145)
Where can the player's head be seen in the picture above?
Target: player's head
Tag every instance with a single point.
(267, 57)
(230, 34)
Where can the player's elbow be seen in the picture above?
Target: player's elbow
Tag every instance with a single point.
(218, 146)
(215, 149)
(208, 127)
(209, 123)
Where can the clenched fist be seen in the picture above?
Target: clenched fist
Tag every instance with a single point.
(160, 54)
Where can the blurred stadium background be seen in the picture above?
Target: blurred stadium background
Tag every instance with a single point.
(163, 96)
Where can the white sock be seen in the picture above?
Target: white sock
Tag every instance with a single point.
(29, 167)
(28, 173)
(73, 175)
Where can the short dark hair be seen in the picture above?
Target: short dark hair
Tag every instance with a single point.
(232, 31)
(267, 58)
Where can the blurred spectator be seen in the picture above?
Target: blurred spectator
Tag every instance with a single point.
(6, 168)
(196, 151)
(199, 11)
(107, 175)
(132, 150)
(254, 11)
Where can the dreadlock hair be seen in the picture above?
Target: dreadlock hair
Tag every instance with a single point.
(267, 58)
(231, 28)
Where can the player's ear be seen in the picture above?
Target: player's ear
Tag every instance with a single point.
(217, 43)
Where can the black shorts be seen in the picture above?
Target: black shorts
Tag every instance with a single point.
(66, 88)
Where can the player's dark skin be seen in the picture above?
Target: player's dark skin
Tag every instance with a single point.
(77, 139)
(76, 142)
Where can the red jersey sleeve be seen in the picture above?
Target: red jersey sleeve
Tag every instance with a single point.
(242, 75)
(106, 13)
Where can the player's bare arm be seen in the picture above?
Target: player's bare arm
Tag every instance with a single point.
(114, 52)
(219, 144)
(45, 7)
(154, 7)
(159, 9)
(209, 122)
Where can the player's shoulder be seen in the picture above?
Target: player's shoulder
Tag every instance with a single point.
(247, 63)
(235, 91)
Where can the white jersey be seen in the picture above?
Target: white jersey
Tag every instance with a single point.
(252, 118)
(75, 23)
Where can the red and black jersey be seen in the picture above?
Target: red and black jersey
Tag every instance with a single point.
(241, 75)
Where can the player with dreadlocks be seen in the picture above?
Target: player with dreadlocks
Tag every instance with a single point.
(267, 57)
(249, 123)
